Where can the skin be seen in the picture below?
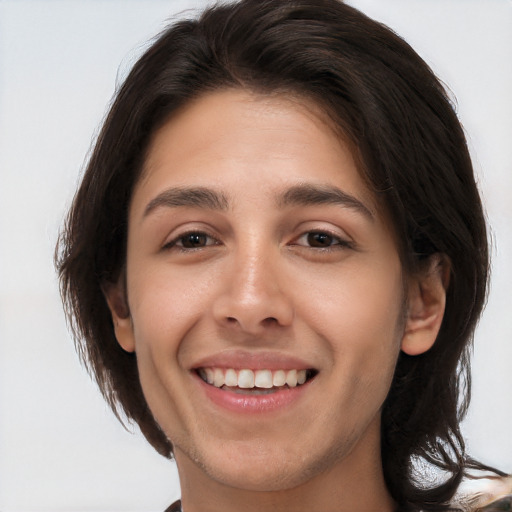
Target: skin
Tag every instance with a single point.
(268, 277)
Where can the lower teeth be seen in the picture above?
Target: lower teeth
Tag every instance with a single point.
(253, 391)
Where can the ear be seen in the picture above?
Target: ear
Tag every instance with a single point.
(115, 295)
(426, 305)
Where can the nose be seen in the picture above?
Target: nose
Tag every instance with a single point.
(253, 297)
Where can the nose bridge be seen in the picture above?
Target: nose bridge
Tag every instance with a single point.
(254, 296)
(254, 279)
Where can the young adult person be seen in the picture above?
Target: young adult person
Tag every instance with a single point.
(276, 260)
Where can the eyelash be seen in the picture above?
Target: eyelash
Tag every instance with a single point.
(175, 243)
(338, 244)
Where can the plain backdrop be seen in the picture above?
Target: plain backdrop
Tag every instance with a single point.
(61, 449)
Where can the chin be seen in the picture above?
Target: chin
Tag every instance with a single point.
(263, 467)
(271, 478)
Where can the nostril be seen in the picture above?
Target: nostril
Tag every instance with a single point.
(266, 321)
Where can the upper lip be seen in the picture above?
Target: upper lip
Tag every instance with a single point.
(242, 359)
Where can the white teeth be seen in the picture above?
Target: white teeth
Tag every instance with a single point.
(246, 379)
(279, 378)
(231, 378)
(263, 379)
(249, 379)
(209, 375)
(218, 378)
(291, 378)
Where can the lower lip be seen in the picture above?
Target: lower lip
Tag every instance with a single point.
(252, 404)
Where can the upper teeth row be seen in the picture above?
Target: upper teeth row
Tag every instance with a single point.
(252, 379)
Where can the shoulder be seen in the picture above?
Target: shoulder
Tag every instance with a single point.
(488, 493)
(481, 494)
(175, 507)
(501, 505)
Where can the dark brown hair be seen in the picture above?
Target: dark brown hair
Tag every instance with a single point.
(388, 103)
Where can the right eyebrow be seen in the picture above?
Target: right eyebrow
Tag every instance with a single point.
(197, 197)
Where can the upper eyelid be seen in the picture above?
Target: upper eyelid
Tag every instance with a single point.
(297, 231)
(320, 227)
(170, 241)
(170, 227)
(341, 239)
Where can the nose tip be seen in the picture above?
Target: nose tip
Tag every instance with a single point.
(252, 321)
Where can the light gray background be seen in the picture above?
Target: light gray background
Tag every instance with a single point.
(60, 447)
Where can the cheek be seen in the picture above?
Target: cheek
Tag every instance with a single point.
(359, 312)
(165, 304)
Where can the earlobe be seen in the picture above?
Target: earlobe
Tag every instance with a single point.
(115, 295)
(426, 305)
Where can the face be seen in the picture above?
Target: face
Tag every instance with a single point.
(265, 293)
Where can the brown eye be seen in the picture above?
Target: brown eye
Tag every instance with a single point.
(322, 241)
(190, 241)
(193, 240)
(319, 239)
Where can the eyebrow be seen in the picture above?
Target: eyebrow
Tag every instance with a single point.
(197, 197)
(298, 195)
(307, 195)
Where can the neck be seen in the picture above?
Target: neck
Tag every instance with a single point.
(354, 483)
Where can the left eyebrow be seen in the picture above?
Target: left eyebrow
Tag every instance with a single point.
(308, 195)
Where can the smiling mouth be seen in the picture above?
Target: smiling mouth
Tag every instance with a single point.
(259, 382)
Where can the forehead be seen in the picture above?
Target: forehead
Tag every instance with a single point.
(262, 140)
(205, 121)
